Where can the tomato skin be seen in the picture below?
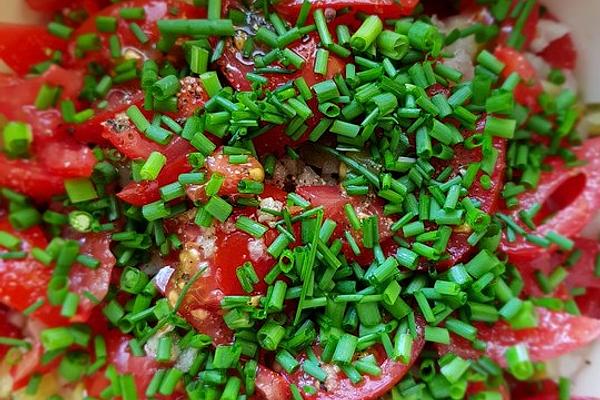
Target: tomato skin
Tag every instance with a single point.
(22, 46)
(569, 199)
(388, 9)
(556, 334)
(561, 53)
(589, 303)
(126, 138)
(528, 91)
(23, 282)
(119, 99)
(341, 388)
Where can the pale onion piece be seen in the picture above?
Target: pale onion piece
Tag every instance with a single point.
(547, 32)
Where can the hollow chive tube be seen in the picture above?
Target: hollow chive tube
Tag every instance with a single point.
(166, 87)
(371, 27)
(392, 45)
(270, 335)
(519, 364)
(17, 138)
(500, 127)
(153, 165)
(59, 30)
(322, 28)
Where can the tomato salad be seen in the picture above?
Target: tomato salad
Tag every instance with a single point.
(293, 199)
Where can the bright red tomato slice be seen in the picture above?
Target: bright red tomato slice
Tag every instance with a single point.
(126, 138)
(333, 201)
(211, 249)
(235, 66)
(18, 97)
(142, 193)
(141, 368)
(270, 385)
(528, 91)
(22, 46)
(478, 387)
(388, 9)
(154, 10)
(556, 334)
(23, 282)
(589, 303)
(569, 199)
(339, 387)
(66, 158)
(30, 178)
(582, 274)
(119, 99)
(458, 247)
(561, 53)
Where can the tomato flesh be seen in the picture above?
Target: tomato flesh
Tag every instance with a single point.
(528, 91)
(568, 204)
(235, 66)
(22, 46)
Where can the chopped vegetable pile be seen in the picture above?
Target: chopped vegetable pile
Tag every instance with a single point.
(293, 199)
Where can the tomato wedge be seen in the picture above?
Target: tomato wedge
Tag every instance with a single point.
(569, 199)
(119, 355)
(561, 53)
(235, 66)
(388, 9)
(19, 94)
(333, 200)
(211, 249)
(154, 11)
(24, 282)
(22, 46)
(556, 334)
(30, 178)
(339, 387)
(528, 91)
(458, 247)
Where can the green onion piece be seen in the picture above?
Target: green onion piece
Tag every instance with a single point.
(368, 32)
(153, 165)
